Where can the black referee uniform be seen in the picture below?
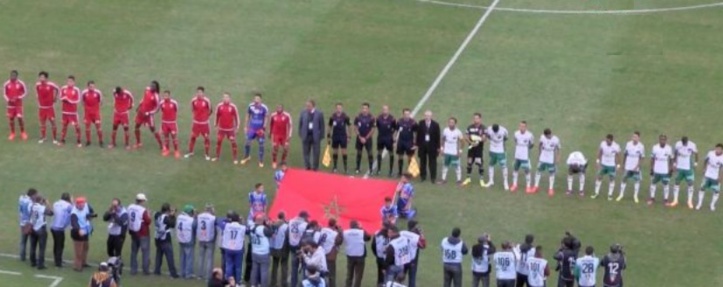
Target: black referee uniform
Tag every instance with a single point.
(386, 126)
(364, 124)
(339, 137)
(407, 128)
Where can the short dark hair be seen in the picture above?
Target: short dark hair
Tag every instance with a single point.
(118, 90)
(529, 238)
(165, 207)
(609, 137)
(14, 72)
(118, 200)
(495, 127)
(332, 222)
(200, 88)
(339, 104)
(312, 102)
(454, 119)
(44, 74)
(66, 196)
(91, 82)
(411, 224)
(256, 186)
(637, 133)
(311, 269)
(663, 136)
(407, 175)
(387, 199)
(167, 92)
(547, 132)
(365, 104)
(720, 145)
(281, 215)
(354, 224)
(406, 110)
(257, 94)
(32, 192)
(684, 139)
(155, 86)
(456, 232)
(71, 77)
(589, 250)
(477, 115)
(523, 122)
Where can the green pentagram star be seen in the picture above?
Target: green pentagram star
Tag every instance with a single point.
(333, 209)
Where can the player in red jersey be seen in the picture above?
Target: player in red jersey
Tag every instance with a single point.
(169, 124)
(47, 92)
(92, 100)
(280, 127)
(146, 111)
(201, 110)
(70, 97)
(123, 104)
(14, 92)
(227, 122)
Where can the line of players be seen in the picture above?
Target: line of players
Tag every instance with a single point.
(227, 120)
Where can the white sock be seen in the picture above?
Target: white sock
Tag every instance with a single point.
(505, 175)
(611, 188)
(714, 201)
(701, 195)
(598, 183)
(676, 192)
(637, 188)
(528, 179)
(582, 182)
(459, 173)
(491, 173)
(445, 169)
(569, 182)
(690, 194)
(537, 179)
(652, 191)
(622, 188)
(666, 191)
(552, 181)
(514, 177)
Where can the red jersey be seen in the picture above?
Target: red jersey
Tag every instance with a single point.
(169, 111)
(46, 93)
(123, 102)
(70, 97)
(14, 92)
(201, 109)
(150, 102)
(92, 100)
(280, 124)
(227, 117)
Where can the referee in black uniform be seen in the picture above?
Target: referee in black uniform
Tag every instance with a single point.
(386, 127)
(406, 141)
(364, 126)
(339, 134)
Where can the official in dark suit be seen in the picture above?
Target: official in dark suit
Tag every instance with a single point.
(428, 138)
(311, 131)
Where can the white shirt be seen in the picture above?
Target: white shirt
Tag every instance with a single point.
(318, 259)
(713, 165)
(684, 153)
(451, 253)
(523, 141)
(497, 139)
(505, 265)
(233, 236)
(576, 158)
(536, 266)
(413, 242)
(206, 227)
(588, 270)
(184, 228)
(451, 141)
(135, 217)
(329, 238)
(548, 148)
(662, 156)
(633, 154)
(609, 152)
(354, 242)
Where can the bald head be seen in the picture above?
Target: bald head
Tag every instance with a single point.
(428, 115)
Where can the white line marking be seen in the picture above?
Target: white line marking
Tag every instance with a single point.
(56, 279)
(10, 272)
(579, 12)
(445, 70)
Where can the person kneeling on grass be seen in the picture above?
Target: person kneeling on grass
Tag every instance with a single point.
(102, 278)
(217, 279)
(313, 278)
(405, 193)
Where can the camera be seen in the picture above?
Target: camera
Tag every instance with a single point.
(115, 269)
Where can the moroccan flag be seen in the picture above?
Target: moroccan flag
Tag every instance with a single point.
(326, 160)
(326, 196)
(413, 167)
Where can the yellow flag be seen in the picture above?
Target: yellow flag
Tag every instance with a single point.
(326, 160)
(413, 167)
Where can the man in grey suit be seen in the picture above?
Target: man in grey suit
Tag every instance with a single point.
(311, 131)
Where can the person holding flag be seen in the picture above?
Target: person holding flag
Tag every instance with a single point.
(406, 145)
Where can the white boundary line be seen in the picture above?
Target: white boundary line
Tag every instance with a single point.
(56, 279)
(445, 70)
(6, 272)
(578, 12)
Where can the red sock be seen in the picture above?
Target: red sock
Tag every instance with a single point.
(54, 130)
(167, 141)
(138, 136)
(175, 142)
(77, 133)
(126, 135)
(158, 139)
(87, 132)
(234, 149)
(284, 154)
(219, 141)
(11, 123)
(191, 144)
(42, 130)
(113, 134)
(273, 153)
(21, 123)
(100, 133)
(206, 144)
(63, 132)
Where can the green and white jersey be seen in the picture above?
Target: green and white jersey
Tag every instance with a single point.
(497, 139)
(684, 153)
(523, 142)
(609, 152)
(661, 156)
(548, 148)
(634, 152)
(451, 139)
(713, 164)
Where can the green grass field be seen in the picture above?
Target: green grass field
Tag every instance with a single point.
(583, 75)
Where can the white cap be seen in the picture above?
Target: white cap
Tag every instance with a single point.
(141, 196)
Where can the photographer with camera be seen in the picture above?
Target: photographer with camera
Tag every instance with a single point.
(527, 250)
(61, 221)
(103, 277)
(330, 239)
(280, 251)
(314, 255)
(165, 222)
(614, 263)
(416, 243)
(38, 233)
(481, 253)
(261, 250)
(80, 231)
(117, 218)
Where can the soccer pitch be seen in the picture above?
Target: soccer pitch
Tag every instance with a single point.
(581, 68)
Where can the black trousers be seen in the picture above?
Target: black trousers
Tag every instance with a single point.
(58, 246)
(248, 264)
(114, 245)
(38, 240)
(428, 162)
(381, 268)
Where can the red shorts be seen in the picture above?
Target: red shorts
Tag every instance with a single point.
(120, 119)
(46, 114)
(169, 128)
(70, 119)
(200, 129)
(143, 119)
(15, 112)
(226, 134)
(92, 118)
(279, 140)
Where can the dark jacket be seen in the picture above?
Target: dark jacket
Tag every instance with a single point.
(435, 135)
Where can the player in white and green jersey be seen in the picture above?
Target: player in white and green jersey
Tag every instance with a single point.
(549, 156)
(684, 150)
(634, 154)
(451, 150)
(497, 136)
(524, 141)
(607, 163)
(662, 162)
(713, 164)
(576, 165)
